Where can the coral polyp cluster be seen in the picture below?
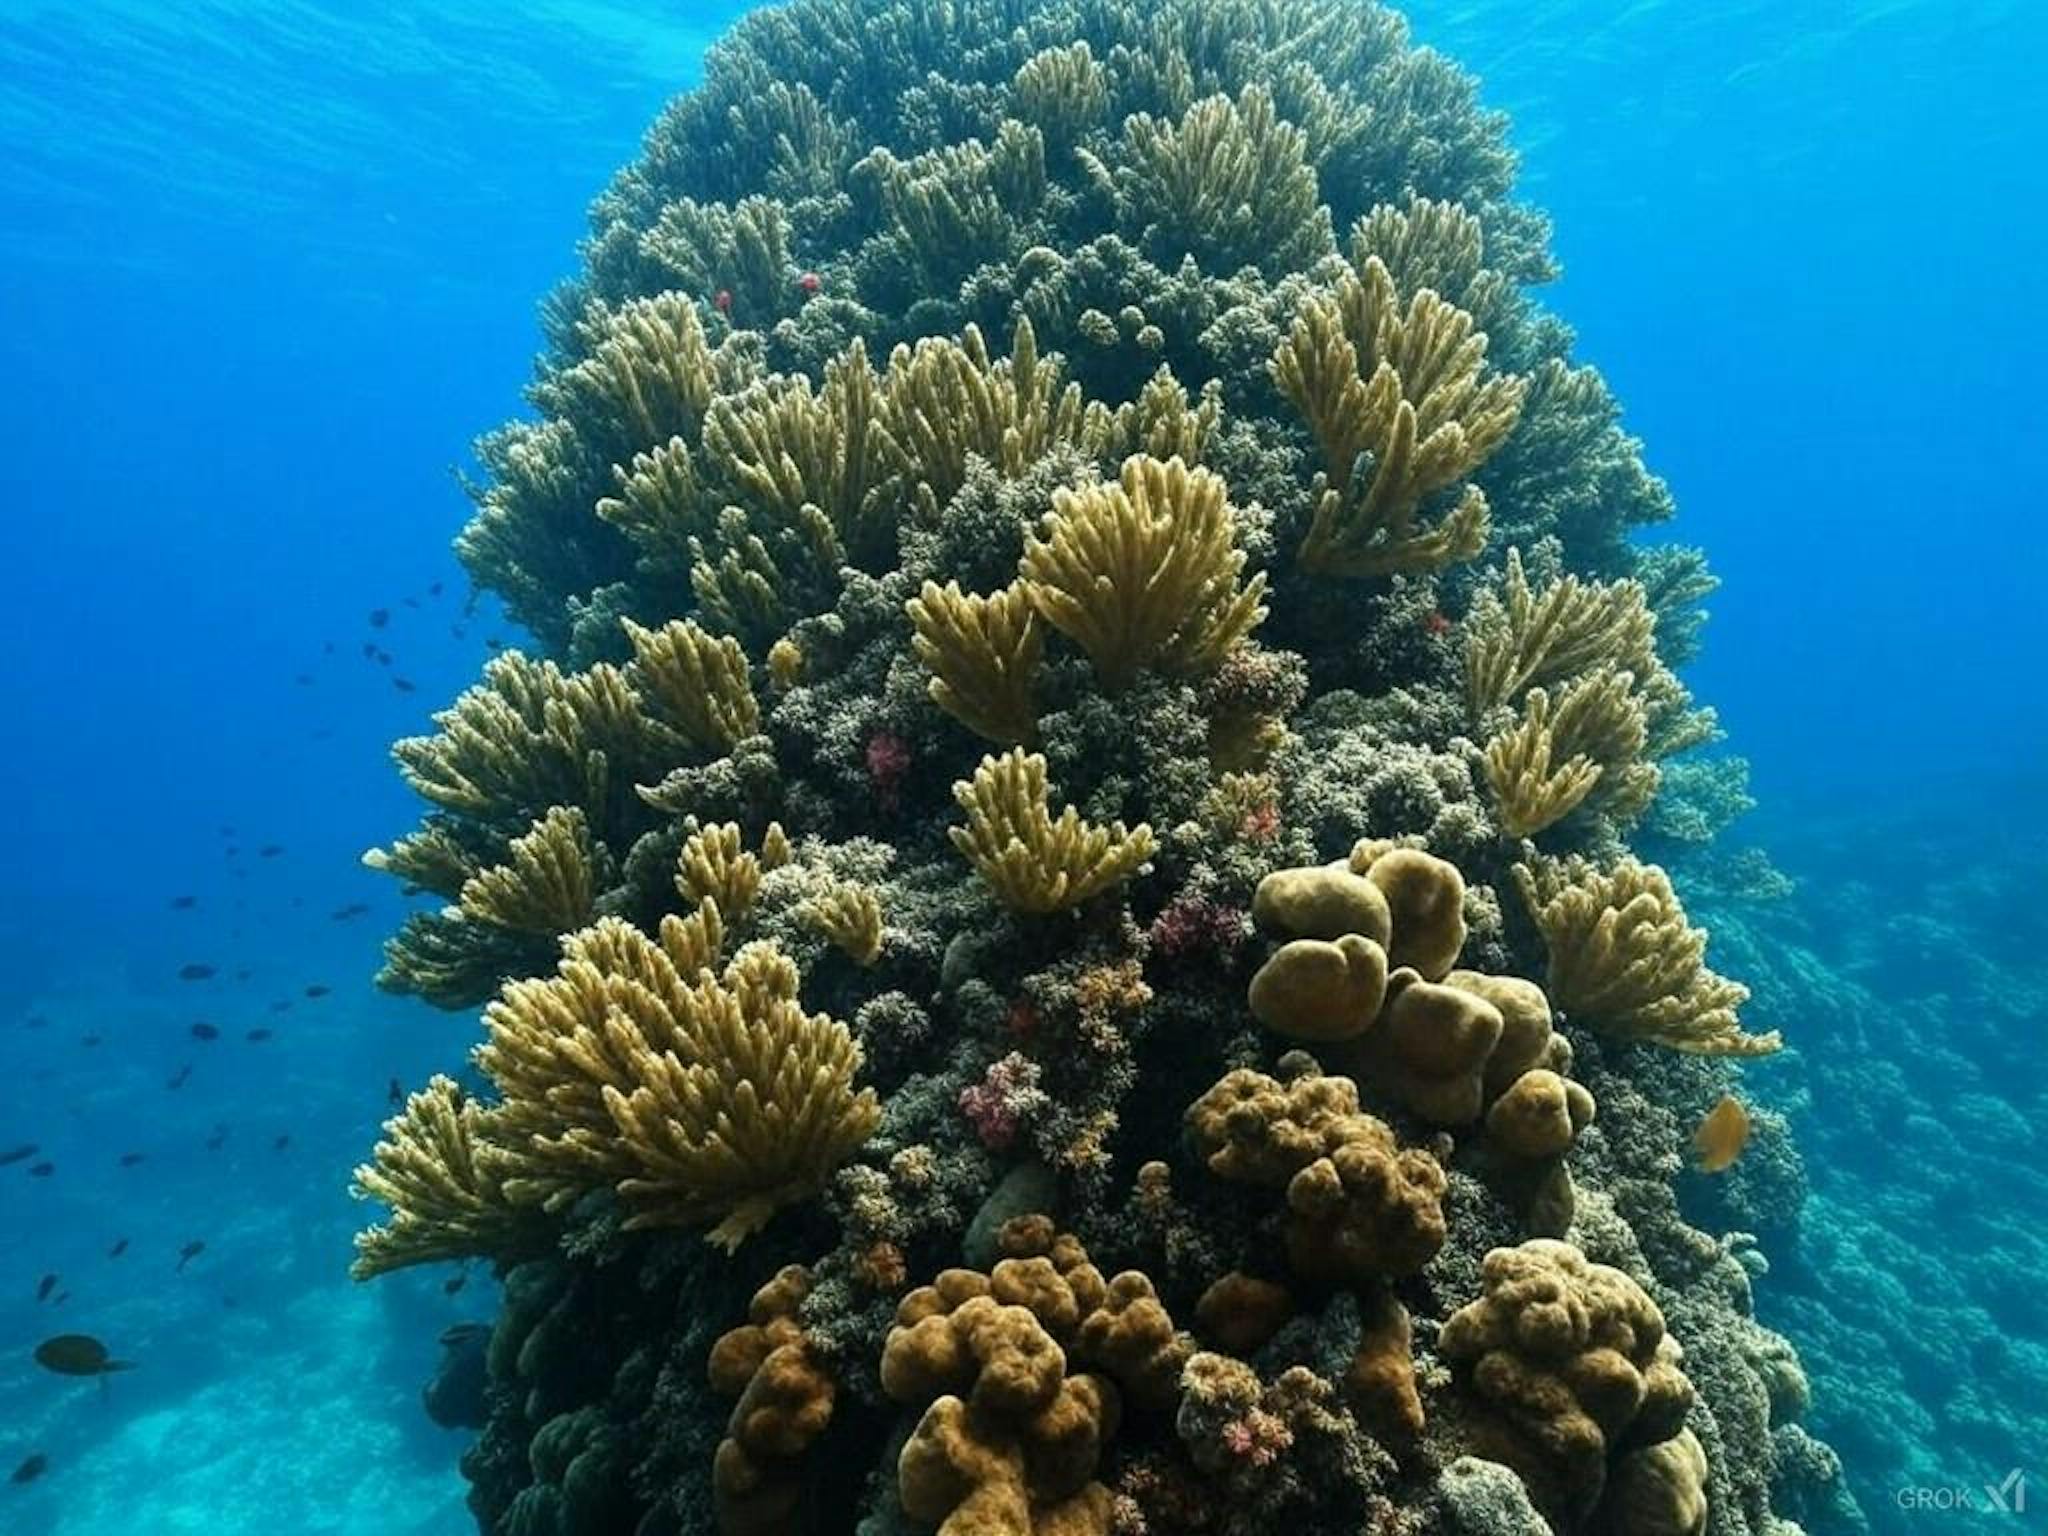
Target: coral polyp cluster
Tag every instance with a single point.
(1066, 829)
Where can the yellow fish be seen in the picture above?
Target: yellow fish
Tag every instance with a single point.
(1722, 1135)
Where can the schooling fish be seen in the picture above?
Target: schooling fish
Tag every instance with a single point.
(217, 1139)
(404, 684)
(205, 1031)
(20, 1154)
(184, 903)
(194, 972)
(89, 1041)
(257, 1036)
(395, 1094)
(130, 1159)
(318, 990)
(118, 1249)
(1721, 1135)
(270, 850)
(188, 1253)
(78, 1354)
(43, 1291)
(42, 1170)
(31, 1469)
(281, 1143)
(177, 1078)
(379, 617)
(454, 1285)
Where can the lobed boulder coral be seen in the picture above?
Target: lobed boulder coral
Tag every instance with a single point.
(1086, 655)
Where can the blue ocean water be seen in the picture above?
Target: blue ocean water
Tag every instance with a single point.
(266, 268)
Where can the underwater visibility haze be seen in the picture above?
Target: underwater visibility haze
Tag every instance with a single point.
(1129, 767)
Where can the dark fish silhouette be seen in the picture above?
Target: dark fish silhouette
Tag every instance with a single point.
(188, 1253)
(395, 1094)
(304, 679)
(369, 650)
(244, 974)
(194, 972)
(177, 1078)
(353, 909)
(31, 1468)
(454, 1285)
(36, 1021)
(318, 989)
(379, 617)
(20, 1154)
(257, 1036)
(404, 685)
(43, 1291)
(270, 850)
(434, 589)
(118, 1249)
(78, 1354)
(410, 602)
(494, 644)
(130, 1159)
(89, 1041)
(184, 903)
(205, 1031)
(42, 1170)
(217, 1139)
(281, 1143)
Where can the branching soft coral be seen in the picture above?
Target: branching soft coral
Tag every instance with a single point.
(1407, 390)
(1624, 959)
(697, 1095)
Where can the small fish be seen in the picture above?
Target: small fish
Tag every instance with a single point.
(379, 617)
(281, 1143)
(194, 972)
(43, 1291)
(118, 1249)
(31, 1468)
(493, 643)
(395, 1094)
(244, 974)
(78, 1354)
(42, 1170)
(410, 602)
(130, 1159)
(282, 1005)
(18, 1154)
(318, 989)
(270, 850)
(404, 685)
(218, 1139)
(178, 1078)
(454, 1285)
(89, 1041)
(1721, 1135)
(188, 1253)
(353, 909)
(205, 1031)
(436, 588)
(184, 903)
(257, 1036)
(304, 679)
(36, 1021)
(369, 650)
(383, 658)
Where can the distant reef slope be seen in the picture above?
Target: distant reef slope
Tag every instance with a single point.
(1071, 899)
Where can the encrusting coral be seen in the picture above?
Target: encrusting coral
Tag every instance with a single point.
(1068, 803)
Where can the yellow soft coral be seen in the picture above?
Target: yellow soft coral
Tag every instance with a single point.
(983, 655)
(699, 1095)
(1032, 862)
(1408, 388)
(1145, 572)
(442, 1174)
(1624, 958)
